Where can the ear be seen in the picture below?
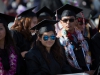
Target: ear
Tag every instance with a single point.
(60, 21)
(39, 38)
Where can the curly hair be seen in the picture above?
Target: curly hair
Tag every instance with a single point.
(56, 50)
(23, 26)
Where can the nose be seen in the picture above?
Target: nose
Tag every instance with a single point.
(68, 21)
(49, 39)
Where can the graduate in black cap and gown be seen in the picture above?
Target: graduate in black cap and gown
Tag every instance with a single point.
(24, 37)
(85, 23)
(8, 50)
(21, 30)
(46, 57)
(89, 30)
(76, 47)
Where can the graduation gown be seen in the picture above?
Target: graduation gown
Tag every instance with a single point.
(73, 69)
(92, 32)
(79, 57)
(20, 41)
(36, 64)
(22, 45)
(97, 71)
(95, 41)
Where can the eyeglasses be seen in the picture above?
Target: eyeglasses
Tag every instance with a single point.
(70, 20)
(52, 37)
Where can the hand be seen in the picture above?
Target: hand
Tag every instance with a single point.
(23, 53)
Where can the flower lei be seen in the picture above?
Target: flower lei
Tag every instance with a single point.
(64, 40)
(13, 64)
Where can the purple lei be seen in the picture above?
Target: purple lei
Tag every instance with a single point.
(13, 64)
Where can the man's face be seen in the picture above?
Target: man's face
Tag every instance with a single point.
(68, 23)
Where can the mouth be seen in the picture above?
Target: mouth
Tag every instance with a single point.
(49, 43)
(67, 26)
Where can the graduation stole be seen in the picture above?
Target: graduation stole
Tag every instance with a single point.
(69, 48)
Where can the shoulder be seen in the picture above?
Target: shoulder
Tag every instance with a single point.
(15, 32)
(97, 35)
(34, 52)
(16, 35)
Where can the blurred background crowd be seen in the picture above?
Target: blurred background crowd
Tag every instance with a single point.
(15, 7)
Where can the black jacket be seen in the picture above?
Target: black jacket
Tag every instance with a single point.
(77, 49)
(36, 65)
(95, 41)
(22, 45)
(20, 41)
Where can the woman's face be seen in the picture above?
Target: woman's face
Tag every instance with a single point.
(48, 39)
(33, 23)
(80, 26)
(2, 32)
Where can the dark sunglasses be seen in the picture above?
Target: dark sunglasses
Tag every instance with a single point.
(52, 37)
(70, 20)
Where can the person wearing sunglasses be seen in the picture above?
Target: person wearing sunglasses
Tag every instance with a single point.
(46, 58)
(76, 47)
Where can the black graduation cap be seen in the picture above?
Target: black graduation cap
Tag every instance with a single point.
(27, 13)
(6, 18)
(45, 26)
(44, 12)
(68, 10)
(86, 13)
